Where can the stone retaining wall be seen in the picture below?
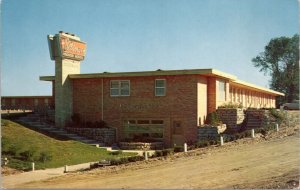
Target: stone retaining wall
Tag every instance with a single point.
(104, 135)
(141, 146)
(258, 118)
(232, 117)
(210, 133)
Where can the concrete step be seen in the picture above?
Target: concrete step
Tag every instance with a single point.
(71, 135)
(89, 141)
(39, 122)
(78, 138)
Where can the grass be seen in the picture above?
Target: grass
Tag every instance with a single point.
(17, 139)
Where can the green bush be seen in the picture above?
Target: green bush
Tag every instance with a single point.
(213, 119)
(45, 156)
(118, 152)
(115, 161)
(75, 118)
(135, 158)
(124, 160)
(202, 144)
(167, 152)
(13, 150)
(178, 149)
(158, 153)
(100, 124)
(29, 155)
(231, 105)
(4, 145)
(278, 115)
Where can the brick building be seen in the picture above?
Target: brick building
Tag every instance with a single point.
(168, 105)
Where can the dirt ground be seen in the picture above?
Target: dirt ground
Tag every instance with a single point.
(264, 162)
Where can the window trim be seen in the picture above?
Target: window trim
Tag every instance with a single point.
(165, 87)
(119, 87)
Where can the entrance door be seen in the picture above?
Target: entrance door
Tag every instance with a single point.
(177, 133)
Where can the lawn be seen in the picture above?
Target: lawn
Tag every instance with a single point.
(22, 145)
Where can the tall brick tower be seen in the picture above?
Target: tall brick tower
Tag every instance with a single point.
(67, 51)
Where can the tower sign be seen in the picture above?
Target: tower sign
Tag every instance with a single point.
(66, 46)
(67, 51)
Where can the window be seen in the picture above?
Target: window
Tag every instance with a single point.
(120, 88)
(222, 91)
(143, 121)
(157, 121)
(160, 87)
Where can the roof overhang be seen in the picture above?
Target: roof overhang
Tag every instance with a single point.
(249, 85)
(207, 72)
(47, 78)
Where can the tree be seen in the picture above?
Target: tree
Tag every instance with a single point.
(280, 60)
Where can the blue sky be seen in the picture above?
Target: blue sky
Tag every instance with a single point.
(139, 35)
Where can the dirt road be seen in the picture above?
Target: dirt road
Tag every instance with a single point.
(246, 164)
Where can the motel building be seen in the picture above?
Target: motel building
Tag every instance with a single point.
(166, 105)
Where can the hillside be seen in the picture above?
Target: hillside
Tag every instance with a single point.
(22, 146)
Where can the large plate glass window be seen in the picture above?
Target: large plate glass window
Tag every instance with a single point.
(160, 87)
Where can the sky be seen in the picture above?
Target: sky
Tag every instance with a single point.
(140, 35)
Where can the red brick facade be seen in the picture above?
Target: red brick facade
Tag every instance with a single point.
(178, 105)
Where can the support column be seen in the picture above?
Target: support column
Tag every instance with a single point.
(64, 90)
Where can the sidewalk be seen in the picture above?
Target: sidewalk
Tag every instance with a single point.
(12, 181)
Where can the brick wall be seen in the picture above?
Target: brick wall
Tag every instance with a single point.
(179, 104)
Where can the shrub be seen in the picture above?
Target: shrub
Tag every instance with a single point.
(88, 124)
(167, 152)
(118, 152)
(4, 145)
(75, 118)
(135, 158)
(279, 116)
(45, 156)
(158, 153)
(124, 160)
(213, 119)
(13, 150)
(100, 124)
(212, 142)
(231, 105)
(115, 161)
(29, 155)
(202, 144)
(178, 149)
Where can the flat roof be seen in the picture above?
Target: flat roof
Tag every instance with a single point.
(209, 72)
(249, 85)
(205, 72)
